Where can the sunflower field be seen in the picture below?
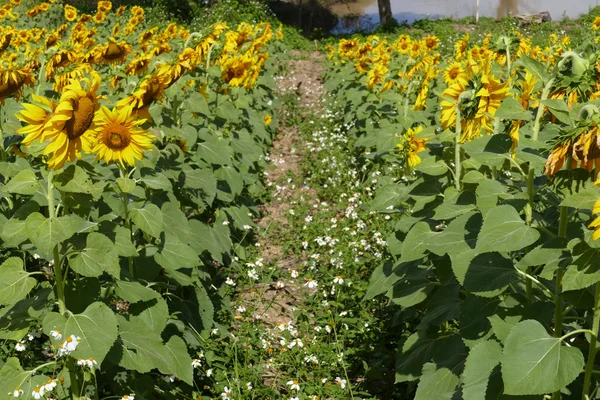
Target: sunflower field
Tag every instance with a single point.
(125, 152)
(488, 155)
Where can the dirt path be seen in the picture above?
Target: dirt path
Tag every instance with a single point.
(275, 304)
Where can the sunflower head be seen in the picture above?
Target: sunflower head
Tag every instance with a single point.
(12, 82)
(36, 117)
(119, 136)
(70, 13)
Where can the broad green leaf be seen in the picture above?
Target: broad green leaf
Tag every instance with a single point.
(17, 319)
(134, 292)
(126, 185)
(12, 376)
(455, 204)
(460, 235)
(585, 270)
(142, 349)
(15, 282)
(149, 219)
(25, 182)
(537, 68)
(413, 246)
(412, 289)
(432, 166)
(98, 257)
(157, 181)
(547, 252)
(180, 361)
(14, 230)
(491, 150)
(174, 255)
(444, 305)
(73, 179)
(559, 109)
(389, 196)
(436, 383)
(582, 199)
(474, 316)
(482, 359)
(489, 272)
(176, 223)
(512, 109)
(96, 327)
(504, 230)
(215, 151)
(534, 362)
(45, 233)
(488, 192)
(123, 245)
(502, 327)
(384, 277)
(153, 313)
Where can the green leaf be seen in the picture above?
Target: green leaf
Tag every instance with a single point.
(559, 109)
(15, 282)
(96, 326)
(180, 361)
(582, 199)
(98, 257)
(502, 327)
(504, 230)
(214, 151)
(389, 195)
(436, 384)
(73, 179)
(384, 277)
(175, 221)
(134, 292)
(488, 192)
(585, 270)
(413, 246)
(14, 230)
(141, 348)
(534, 362)
(460, 235)
(123, 245)
(491, 150)
(174, 255)
(549, 251)
(157, 181)
(12, 376)
(432, 166)
(534, 66)
(482, 359)
(149, 219)
(489, 272)
(45, 233)
(25, 182)
(126, 185)
(512, 109)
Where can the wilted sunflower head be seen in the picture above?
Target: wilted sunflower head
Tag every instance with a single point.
(12, 82)
(113, 52)
(61, 59)
(138, 66)
(5, 41)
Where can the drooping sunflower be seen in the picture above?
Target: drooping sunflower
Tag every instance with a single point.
(62, 58)
(119, 136)
(412, 145)
(138, 66)
(151, 89)
(71, 128)
(12, 82)
(37, 118)
(5, 39)
(72, 72)
(485, 96)
(113, 52)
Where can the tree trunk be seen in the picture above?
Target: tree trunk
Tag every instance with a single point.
(385, 12)
(299, 23)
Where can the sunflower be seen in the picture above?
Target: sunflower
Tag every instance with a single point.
(44, 6)
(137, 11)
(363, 65)
(376, 75)
(12, 81)
(61, 59)
(104, 6)
(77, 72)
(454, 74)
(267, 119)
(113, 52)
(37, 118)
(119, 137)
(138, 66)
(412, 145)
(5, 41)
(477, 112)
(72, 127)
(189, 59)
(596, 24)
(120, 10)
(70, 13)
(151, 89)
(431, 42)
(99, 17)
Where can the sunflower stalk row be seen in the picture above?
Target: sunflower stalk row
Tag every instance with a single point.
(492, 176)
(132, 161)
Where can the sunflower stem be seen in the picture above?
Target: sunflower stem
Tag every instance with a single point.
(589, 367)
(558, 301)
(125, 198)
(2, 149)
(58, 273)
(540, 110)
(457, 164)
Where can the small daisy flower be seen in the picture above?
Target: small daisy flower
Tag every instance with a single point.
(293, 385)
(340, 382)
(196, 363)
(229, 281)
(128, 397)
(38, 392)
(339, 280)
(56, 334)
(310, 283)
(209, 372)
(226, 393)
(294, 273)
(17, 392)
(20, 346)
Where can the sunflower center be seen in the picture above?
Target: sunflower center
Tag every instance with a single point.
(453, 73)
(83, 115)
(116, 136)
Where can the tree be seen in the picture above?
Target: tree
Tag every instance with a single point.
(385, 12)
